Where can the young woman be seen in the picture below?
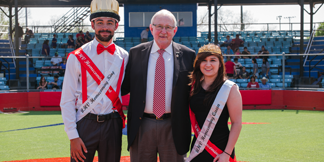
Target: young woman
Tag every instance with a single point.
(208, 78)
(255, 68)
(265, 72)
(42, 83)
(70, 42)
(253, 83)
(45, 48)
(237, 52)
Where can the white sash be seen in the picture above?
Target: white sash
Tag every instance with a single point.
(211, 120)
(111, 77)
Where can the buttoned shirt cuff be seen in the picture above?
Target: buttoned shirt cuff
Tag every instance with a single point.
(72, 134)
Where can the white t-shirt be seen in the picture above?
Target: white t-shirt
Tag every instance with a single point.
(56, 60)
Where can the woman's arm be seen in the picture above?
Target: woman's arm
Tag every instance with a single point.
(234, 105)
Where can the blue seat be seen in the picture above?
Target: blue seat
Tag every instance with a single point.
(233, 80)
(275, 80)
(243, 85)
(272, 84)
(238, 84)
(276, 77)
(291, 77)
(4, 87)
(241, 80)
(280, 84)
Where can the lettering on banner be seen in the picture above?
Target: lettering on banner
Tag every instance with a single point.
(92, 100)
(215, 112)
(92, 70)
(208, 128)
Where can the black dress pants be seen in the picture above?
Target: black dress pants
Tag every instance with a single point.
(104, 137)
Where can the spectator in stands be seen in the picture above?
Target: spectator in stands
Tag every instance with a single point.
(45, 48)
(265, 70)
(144, 35)
(263, 51)
(264, 85)
(27, 37)
(238, 65)
(80, 34)
(54, 41)
(56, 84)
(56, 60)
(62, 67)
(87, 37)
(243, 74)
(79, 42)
(320, 76)
(70, 42)
(227, 42)
(229, 67)
(246, 52)
(237, 42)
(228, 51)
(31, 33)
(1, 67)
(42, 83)
(255, 68)
(20, 33)
(253, 83)
(237, 52)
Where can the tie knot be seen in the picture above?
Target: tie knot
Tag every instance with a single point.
(161, 51)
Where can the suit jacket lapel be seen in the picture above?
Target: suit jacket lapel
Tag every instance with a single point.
(145, 55)
(177, 54)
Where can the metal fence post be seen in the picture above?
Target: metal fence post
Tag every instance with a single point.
(27, 72)
(283, 69)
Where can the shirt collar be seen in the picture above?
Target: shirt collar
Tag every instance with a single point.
(155, 48)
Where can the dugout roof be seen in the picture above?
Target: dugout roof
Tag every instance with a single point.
(86, 3)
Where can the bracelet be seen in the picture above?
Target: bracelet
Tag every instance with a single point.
(226, 153)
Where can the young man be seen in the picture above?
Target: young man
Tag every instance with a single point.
(56, 60)
(91, 102)
(157, 78)
(56, 83)
(144, 35)
(246, 52)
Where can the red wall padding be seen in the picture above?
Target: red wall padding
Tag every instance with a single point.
(252, 99)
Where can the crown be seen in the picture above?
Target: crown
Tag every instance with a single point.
(212, 48)
(104, 8)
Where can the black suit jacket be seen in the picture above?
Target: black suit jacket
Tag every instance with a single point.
(135, 83)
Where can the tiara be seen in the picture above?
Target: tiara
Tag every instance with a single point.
(212, 48)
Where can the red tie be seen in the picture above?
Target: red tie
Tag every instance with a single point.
(159, 86)
(111, 49)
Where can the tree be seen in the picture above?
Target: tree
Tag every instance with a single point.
(227, 21)
(320, 30)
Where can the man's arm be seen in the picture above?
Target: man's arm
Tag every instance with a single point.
(125, 89)
(68, 98)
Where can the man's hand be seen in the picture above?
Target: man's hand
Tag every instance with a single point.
(76, 149)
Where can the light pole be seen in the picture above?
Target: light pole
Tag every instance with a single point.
(290, 17)
(279, 17)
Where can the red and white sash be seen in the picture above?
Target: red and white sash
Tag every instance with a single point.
(104, 83)
(205, 133)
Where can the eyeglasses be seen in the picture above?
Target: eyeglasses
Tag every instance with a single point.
(160, 27)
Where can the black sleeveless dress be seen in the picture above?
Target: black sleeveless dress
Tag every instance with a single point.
(220, 134)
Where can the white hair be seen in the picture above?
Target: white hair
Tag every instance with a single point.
(164, 12)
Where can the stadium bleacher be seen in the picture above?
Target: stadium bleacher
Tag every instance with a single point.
(275, 42)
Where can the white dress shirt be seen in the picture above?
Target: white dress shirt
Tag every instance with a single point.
(168, 64)
(144, 34)
(72, 88)
(56, 60)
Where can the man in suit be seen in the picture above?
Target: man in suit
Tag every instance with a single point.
(157, 78)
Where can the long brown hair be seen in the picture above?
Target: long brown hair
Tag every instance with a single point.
(197, 76)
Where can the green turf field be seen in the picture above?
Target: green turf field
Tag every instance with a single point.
(288, 136)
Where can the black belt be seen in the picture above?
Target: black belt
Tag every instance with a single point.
(164, 116)
(102, 118)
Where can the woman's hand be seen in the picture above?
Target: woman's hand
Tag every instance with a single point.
(223, 157)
